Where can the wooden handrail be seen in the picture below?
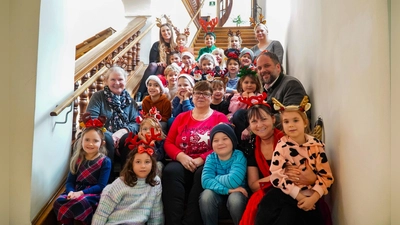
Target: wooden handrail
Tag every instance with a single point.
(91, 42)
(84, 64)
(195, 15)
(93, 78)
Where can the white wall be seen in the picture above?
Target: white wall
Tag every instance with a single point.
(395, 109)
(55, 68)
(340, 51)
(5, 91)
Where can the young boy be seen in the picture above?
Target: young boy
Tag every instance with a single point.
(171, 73)
(246, 57)
(209, 40)
(158, 99)
(218, 101)
(223, 177)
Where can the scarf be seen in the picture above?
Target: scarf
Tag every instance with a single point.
(249, 214)
(119, 118)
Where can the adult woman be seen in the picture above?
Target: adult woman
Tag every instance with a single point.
(264, 140)
(115, 103)
(264, 43)
(158, 57)
(188, 146)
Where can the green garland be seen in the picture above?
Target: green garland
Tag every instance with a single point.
(245, 70)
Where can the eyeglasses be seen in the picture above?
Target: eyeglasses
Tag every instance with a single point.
(203, 94)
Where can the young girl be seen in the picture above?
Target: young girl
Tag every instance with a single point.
(218, 100)
(88, 175)
(171, 73)
(181, 38)
(234, 40)
(135, 197)
(246, 57)
(207, 68)
(158, 99)
(219, 55)
(297, 203)
(174, 57)
(249, 85)
(233, 65)
(223, 177)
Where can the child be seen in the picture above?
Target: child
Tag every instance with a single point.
(207, 68)
(246, 57)
(171, 73)
(188, 62)
(209, 36)
(183, 100)
(89, 172)
(223, 177)
(249, 85)
(218, 101)
(135, 197)
(158, 99)
(174, 57)
(181, 38)
(234, 40)
(219, 55)
(233, 65)
(298, 202)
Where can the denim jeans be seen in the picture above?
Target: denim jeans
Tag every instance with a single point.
(211, 201)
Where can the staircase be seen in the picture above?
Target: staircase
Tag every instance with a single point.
(247, 34)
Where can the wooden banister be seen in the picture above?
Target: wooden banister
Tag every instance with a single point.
(83, 70)
(91, 42)
(84, 64)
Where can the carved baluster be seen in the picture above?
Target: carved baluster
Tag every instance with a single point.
(134, 54)
(92, 87)
(100, 83)
(129, 68)
(83, 98)
(115, 52)
(137, 53)
(75, 113)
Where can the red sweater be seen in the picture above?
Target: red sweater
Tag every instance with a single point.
(162, 104)
(191, 136)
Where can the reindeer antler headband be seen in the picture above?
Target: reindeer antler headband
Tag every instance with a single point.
(212, 23)
(255, 100)
(132, 142)
(153, 113)
(303, 107)
(231, 34)
(261, 19)
(186, 32)
(120, 61)
(160, 22)
(87, 122)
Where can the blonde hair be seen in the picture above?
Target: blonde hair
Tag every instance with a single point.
(172, 68)
(163, 44)
(154, 124)
(78, 155)
(222, 65)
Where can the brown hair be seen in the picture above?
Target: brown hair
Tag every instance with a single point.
(130, 178)
(203, 86)
(256, 80)
(303, 116)
(255, 111)
(218, 83)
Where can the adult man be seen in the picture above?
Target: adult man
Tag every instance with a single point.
(287, 89)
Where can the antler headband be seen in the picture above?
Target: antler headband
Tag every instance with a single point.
(153, 113)
(87, 121)
(160, 23)
(254, 23)
(303, 107)
(120, 61)
(212, 23)
(186, 32)
(255, 100)
(231, 34)
(132, 141)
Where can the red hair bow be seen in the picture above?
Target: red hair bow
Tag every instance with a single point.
(232, 55)
(255, 100)
(142, 149)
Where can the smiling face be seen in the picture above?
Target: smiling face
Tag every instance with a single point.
(245, 60)
(218, 56)
(206, 65)
(166, 33)
(235, 42)
(209, 40)
(249, 85)
(181, 40)
(294, 125)
(261, 32)
(153, 88)
(172, 78)
(233, 67)
(262, 124)
(268, 69)
(184, 86)
(142, 165)
(222, 145)
(91, 143)
(116, 82)
(146, 125)
(174, 58)
(218, 93)
(187, 60)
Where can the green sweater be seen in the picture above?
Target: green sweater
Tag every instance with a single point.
(205, 50)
